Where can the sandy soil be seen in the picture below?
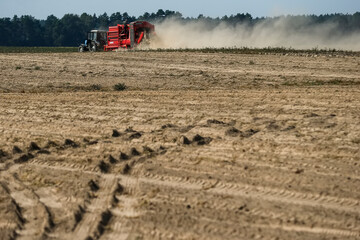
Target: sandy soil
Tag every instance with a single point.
(200, 146)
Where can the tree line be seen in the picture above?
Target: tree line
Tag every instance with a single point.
(71, 29)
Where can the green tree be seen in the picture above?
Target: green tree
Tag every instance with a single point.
(116, 18)
(50, 30)
(6, 27)
(69, 27)
(103, 21)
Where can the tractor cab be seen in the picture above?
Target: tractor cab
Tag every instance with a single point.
(96, 40)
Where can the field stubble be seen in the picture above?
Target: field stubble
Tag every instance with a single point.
(197, 146)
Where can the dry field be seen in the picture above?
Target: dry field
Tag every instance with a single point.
(199, 146)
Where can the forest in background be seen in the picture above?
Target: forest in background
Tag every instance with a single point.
(71, 29)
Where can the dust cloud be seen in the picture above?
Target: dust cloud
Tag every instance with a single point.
(280, 32)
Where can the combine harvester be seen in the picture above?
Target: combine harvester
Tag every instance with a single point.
(122, 36)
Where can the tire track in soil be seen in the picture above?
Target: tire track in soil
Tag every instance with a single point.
(97, 213)
(206, 169)
(269, 194)
(244, 190)
(292, 163)
(285, 196)
(297, 229)
(124, 210)
(259, 212)
(38, 219)
(315, 230)
(40, 133)
(108, 198)
(12, 216)
(236, 190)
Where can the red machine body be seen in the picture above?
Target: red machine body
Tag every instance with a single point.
(128, 35)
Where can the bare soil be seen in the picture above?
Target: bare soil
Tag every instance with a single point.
(199, 146)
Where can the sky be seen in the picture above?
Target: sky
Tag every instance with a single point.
(40, 9)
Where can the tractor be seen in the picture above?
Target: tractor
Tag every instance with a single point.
(96, 40)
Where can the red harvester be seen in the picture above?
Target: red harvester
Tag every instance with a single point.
(129, 35)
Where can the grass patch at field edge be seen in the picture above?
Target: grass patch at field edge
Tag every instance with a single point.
(37, 49)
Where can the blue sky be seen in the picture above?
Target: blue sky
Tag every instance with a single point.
(192, 8)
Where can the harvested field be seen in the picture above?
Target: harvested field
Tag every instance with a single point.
(197, 146)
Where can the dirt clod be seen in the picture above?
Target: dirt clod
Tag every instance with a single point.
(232, 132)
(184, 140)
(126, 169)
(214, 121)
(198, 138)
(116, 133)
(201, 140)
(310, 115)
(3, 154)
(15, 150)
(24, 158)
(249, 133)
(105, 219)
(147, 149)
(33, 147)
(135, 135)
(134, 152)
(124, 156)
(93, 186)
(242, 207)
(78, 215)
(119, 189)
(71, 143)
(104, 167)
(112, 160)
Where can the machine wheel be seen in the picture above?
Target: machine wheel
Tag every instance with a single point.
(93, 48)
(81, 49)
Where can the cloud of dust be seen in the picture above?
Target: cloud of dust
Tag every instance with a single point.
(280, 32)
